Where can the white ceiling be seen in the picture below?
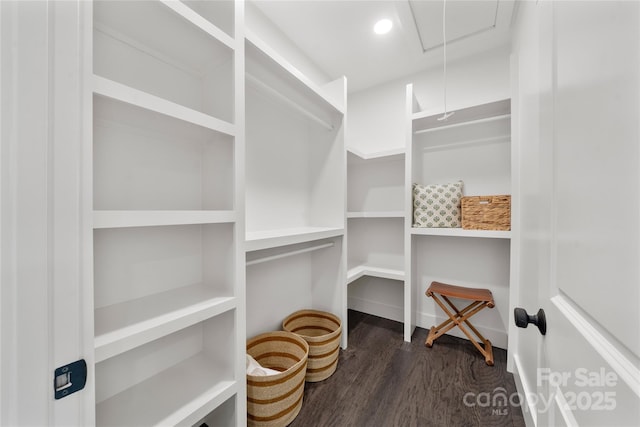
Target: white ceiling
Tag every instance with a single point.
(338, 34)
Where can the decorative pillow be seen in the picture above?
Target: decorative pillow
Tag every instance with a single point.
(437, 205)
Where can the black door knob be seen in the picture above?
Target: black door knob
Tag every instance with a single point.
(523, 319)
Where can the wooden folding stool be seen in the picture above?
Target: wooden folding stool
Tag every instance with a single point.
(481, 298)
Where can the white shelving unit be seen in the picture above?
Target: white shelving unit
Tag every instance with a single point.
(295, 191)
(473, 145)
(375, 213)
(168, 214)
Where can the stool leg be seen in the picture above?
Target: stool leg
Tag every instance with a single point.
(486, 350)
(430, 338)
(460, 318)
(488, 358)
(464, 311)
(437, 331)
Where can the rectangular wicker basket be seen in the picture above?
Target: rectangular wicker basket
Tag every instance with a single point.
(486, 212)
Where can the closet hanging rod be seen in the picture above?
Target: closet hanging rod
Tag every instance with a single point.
(470, 122)
(257, 82)
(480, 141)
(290, 253)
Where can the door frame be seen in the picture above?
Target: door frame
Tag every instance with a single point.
(43, 216)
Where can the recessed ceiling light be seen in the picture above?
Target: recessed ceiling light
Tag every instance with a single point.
(383, 26)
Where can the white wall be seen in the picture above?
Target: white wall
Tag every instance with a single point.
(377, 116)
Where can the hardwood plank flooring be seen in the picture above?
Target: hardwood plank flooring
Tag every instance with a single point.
(383, 381)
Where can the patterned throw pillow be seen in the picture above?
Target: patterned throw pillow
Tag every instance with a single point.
(437, 205)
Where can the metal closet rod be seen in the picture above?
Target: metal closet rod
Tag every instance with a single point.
(469, 143)
(290, 253)
(257, 82)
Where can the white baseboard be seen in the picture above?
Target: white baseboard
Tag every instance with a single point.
(497, 337)
(377, 308)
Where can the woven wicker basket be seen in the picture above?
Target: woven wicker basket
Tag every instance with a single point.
(275, 400)
(322, 332)
(486, 212)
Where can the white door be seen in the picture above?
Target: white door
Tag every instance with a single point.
(577, 100)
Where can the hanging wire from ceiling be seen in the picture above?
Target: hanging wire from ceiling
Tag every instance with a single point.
(446, 114)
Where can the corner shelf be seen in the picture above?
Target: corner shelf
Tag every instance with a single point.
(388, 155)
(375, 226)
(359, 271)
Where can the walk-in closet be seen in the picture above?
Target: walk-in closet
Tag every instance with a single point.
(351, 213)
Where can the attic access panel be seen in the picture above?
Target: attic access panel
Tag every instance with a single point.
(464, 19)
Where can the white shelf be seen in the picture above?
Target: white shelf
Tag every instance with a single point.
(167, 50)
(192, 16)
(367, 270)
(392, 154)
(177, 20)
(121, 327)
(180, 395)
(118, 91)
(376, 214)
(473, 122)
(459, 232)
(119, 219)
(426, 121)
(219, 13)
(258, 240)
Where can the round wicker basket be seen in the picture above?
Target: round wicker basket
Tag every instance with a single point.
(275, 400)
(322, 332)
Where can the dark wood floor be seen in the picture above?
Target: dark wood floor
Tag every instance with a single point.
(383, 381)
